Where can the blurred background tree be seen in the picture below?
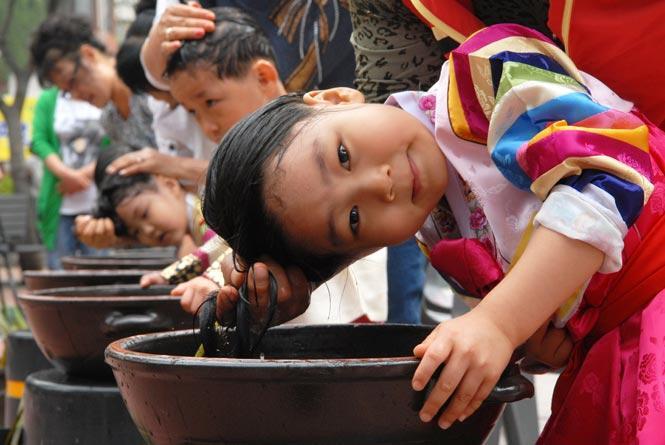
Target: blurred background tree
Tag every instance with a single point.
(18, 19)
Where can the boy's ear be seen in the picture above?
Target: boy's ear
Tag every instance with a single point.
(88, 52)
(268, 77)
(334, 96)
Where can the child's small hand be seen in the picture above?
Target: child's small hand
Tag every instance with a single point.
(293, 290)
(152, 278)
(475, 352)
(548, 346)
(194, 292)
(96, 232)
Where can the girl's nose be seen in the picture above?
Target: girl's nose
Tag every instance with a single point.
(148, 230)
(380, 183)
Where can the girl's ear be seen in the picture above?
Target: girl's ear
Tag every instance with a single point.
(172, 185)
(334, 96)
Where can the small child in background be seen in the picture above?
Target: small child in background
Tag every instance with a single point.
(530, 185)
(155, 210)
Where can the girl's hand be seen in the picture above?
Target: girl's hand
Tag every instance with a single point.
(152, 278)
(475, 352)
(96, 232)
(293, 290)
(549, 347)
(194, 292)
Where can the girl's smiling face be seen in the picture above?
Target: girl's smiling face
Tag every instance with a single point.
(355, 177)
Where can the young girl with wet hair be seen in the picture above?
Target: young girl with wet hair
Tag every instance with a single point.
(530, 185)
(155, 210)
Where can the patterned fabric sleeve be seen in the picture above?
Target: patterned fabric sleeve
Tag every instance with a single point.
(194, 264)
(524, 99)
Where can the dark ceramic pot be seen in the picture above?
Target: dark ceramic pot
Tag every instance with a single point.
(335, 384)
(72, 326)
(49, 279)
(116, 262)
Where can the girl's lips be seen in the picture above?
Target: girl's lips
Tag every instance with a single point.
(415, 185)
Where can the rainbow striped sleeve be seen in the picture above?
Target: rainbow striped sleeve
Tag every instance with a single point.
(515, 91)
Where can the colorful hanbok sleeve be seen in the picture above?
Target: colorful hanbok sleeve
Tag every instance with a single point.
(194, 264)
(515, 91)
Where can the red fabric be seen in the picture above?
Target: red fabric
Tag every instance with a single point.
(622, 43)
(610, 392)
(468, 262)
(458, 14)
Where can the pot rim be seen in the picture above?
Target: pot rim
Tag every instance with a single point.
(119, 351)
(28, 298)
(86, 272)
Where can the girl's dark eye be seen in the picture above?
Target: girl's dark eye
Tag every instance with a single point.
(210, 102)
(344, 158)
(354, 220)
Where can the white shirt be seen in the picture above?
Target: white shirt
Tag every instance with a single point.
(177, 132)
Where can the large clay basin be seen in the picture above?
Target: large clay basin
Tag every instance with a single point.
(116, 262)
(48, 279)
(334, 384)
(72, 326)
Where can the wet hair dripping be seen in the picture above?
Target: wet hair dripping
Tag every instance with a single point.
(234, 201)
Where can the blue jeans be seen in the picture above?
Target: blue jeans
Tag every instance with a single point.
(67, 243)
(406, 280)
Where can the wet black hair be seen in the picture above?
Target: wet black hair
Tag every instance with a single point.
(128, 60)
(234, 201)
(60, 37)
(114, 188)
(236, 42)
(143, 5)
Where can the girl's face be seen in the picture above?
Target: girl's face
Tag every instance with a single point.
(156, 217)
(89, 77)
(356, 177)
(217, 104)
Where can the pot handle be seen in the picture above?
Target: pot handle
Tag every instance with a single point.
(511, 387)
(117, 323)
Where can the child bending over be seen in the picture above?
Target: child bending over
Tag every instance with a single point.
(155, 210)
(529, 184)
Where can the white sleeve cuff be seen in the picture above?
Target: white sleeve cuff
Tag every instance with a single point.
(590, 216)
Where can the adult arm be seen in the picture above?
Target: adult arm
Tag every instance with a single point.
(178, 22)
(149, 160)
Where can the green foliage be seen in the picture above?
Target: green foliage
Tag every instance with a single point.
(6, 185)
(27, 15)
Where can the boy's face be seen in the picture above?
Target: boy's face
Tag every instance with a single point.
(156, 217)
(217, 104)
(356, 178)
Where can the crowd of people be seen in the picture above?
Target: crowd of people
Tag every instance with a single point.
(340, 146)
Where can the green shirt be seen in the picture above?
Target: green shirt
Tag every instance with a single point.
(45, 143)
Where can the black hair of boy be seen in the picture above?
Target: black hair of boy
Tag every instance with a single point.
(143, 5)
(128, 60)
(115, 188)
(60, 37)
(236, 42)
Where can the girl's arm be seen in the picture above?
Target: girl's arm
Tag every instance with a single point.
(477, 346)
